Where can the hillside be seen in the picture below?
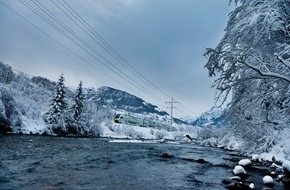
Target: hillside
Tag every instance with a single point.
(24, 101)
(121, 100)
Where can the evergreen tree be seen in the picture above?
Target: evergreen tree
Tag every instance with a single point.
(78, 102)
(57, 114)
(76, 125)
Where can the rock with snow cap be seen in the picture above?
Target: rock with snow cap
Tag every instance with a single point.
(268, 181)
(239, 170)
(286, 167)
(246, 163)
(252, 186)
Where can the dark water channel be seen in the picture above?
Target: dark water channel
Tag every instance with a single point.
(37, 162)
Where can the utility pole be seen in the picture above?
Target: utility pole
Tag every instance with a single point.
(171, 108)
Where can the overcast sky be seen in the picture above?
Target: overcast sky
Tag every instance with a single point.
(164, 40)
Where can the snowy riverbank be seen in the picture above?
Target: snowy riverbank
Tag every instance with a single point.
(109, 129)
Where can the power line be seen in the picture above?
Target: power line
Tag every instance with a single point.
(81, 44)
(111, 50)
(70, 34)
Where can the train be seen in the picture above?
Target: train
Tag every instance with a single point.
(141, 122)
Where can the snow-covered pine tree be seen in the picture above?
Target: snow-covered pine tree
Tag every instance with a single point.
(76, 125)
(56, 117)
(78, 102)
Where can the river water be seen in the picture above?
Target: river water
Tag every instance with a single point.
(39, 162)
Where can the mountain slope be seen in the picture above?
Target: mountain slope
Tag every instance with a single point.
(121, 100)
(213, 117)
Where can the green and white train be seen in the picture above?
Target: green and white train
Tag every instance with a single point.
(141, 122)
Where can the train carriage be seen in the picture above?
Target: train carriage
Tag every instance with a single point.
(141, 122)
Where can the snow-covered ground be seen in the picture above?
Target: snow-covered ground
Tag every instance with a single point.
(109, 129)
(281, 150)
(32, 126)
(114, 130)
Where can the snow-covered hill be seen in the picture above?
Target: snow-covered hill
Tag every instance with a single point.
(121, 100)
(213, 117)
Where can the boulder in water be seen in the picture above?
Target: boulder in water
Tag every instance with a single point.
(268, 181)
(239, 170)
(246, 163)
(286, 167)
(165, 155)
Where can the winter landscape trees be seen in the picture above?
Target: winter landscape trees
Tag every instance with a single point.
(25, 103)
(252, 63)
(68, 120)
(57, 115)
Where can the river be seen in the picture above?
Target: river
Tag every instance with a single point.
(41, 162)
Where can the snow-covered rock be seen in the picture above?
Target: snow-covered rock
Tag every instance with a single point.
(252, 186)
(268, 180)
(238, 170)
(255, 157)
(245, 162)
(286, 167)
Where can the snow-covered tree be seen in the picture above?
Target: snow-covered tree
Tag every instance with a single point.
(78, 102)
(57, 114)
(76, 124)
(252, 62)
(4, 125)
(6, 73)
(10, 115)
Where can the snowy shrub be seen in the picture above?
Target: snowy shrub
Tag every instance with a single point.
(211, 142)
(129, 131)
(207, 132)
(160, 134)
(253, 138)
(229, 142)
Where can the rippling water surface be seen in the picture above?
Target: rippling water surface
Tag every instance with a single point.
(37, 162)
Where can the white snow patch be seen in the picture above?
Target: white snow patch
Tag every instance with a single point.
(255, 157)
(131, 141)
(32, 126)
